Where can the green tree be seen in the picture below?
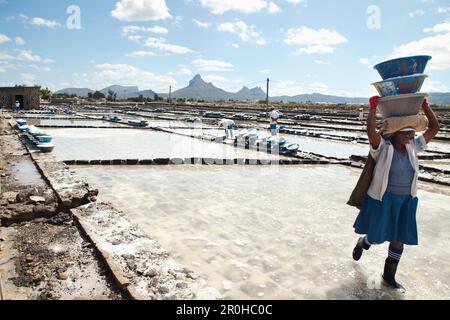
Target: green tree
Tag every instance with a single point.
(98, 95)
(46, 94)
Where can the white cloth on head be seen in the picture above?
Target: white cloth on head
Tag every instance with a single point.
(391, 125)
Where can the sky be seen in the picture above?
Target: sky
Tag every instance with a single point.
(302, 46)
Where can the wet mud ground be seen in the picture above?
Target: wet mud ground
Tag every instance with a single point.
(50, 259)
(43, 255)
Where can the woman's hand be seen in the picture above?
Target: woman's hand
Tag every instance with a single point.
(373, 102)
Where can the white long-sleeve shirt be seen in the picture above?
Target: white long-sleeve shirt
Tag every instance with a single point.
(226, 123)
(274, 116)
(383, 159)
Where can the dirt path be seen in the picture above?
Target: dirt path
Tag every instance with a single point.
(43, 255)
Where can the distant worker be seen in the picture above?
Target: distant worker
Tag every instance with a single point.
(361, 114)
(229, 126)
(16, 106)
(274, 116)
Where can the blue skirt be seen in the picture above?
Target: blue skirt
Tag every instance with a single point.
(393, 219)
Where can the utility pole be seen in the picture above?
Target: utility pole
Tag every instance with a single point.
(267, 97)
(170, 96)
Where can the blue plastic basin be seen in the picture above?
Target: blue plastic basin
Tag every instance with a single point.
(400, 85)
(400, 67)
(21, 122)
(45, 139)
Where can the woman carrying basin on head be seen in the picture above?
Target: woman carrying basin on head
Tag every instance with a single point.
(389, 209)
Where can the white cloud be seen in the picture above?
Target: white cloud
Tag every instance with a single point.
(443, 10)
(212, 65)
(322, 62)
(215, 79)
(261, 42)
(230, 85)
(126, 30)
(45, 23)
(315, 49)
(363, 61)
(141, 10)
(163, 45)
(244, 6)
(23, 17)
(185, 72)
(140, 54)
(5, 65)
(437, 46)
(4, 56)
(19, 41)
(309, 75)
(442, 27)
(245, 32)
(27, 78)
(292, 88)
(135, 37)
(4, 38)
(434, 86)
(416, 13)
(297, 2)
(27, 55)
(108, 74)
(177, 21)
(235, 45)
(201, 24)
(38, 68)
(314, 41)
(273, 8)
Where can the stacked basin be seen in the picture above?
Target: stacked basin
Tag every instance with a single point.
(40, 138)
(400, 89)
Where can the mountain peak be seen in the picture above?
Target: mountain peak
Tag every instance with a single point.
(197, 80)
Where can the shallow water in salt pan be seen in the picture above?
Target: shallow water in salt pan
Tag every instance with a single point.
(94, 144)
(24, 173)
(50, 122)
(276, 232)
(323, 147)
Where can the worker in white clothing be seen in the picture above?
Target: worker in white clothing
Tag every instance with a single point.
(229, 126)
(274, 116)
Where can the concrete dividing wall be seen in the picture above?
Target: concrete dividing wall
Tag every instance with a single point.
(199, 161)
(138, 263)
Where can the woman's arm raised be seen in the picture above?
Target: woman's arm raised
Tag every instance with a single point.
(374, 136)
(433, 123)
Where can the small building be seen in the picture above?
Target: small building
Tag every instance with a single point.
(28, 97)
